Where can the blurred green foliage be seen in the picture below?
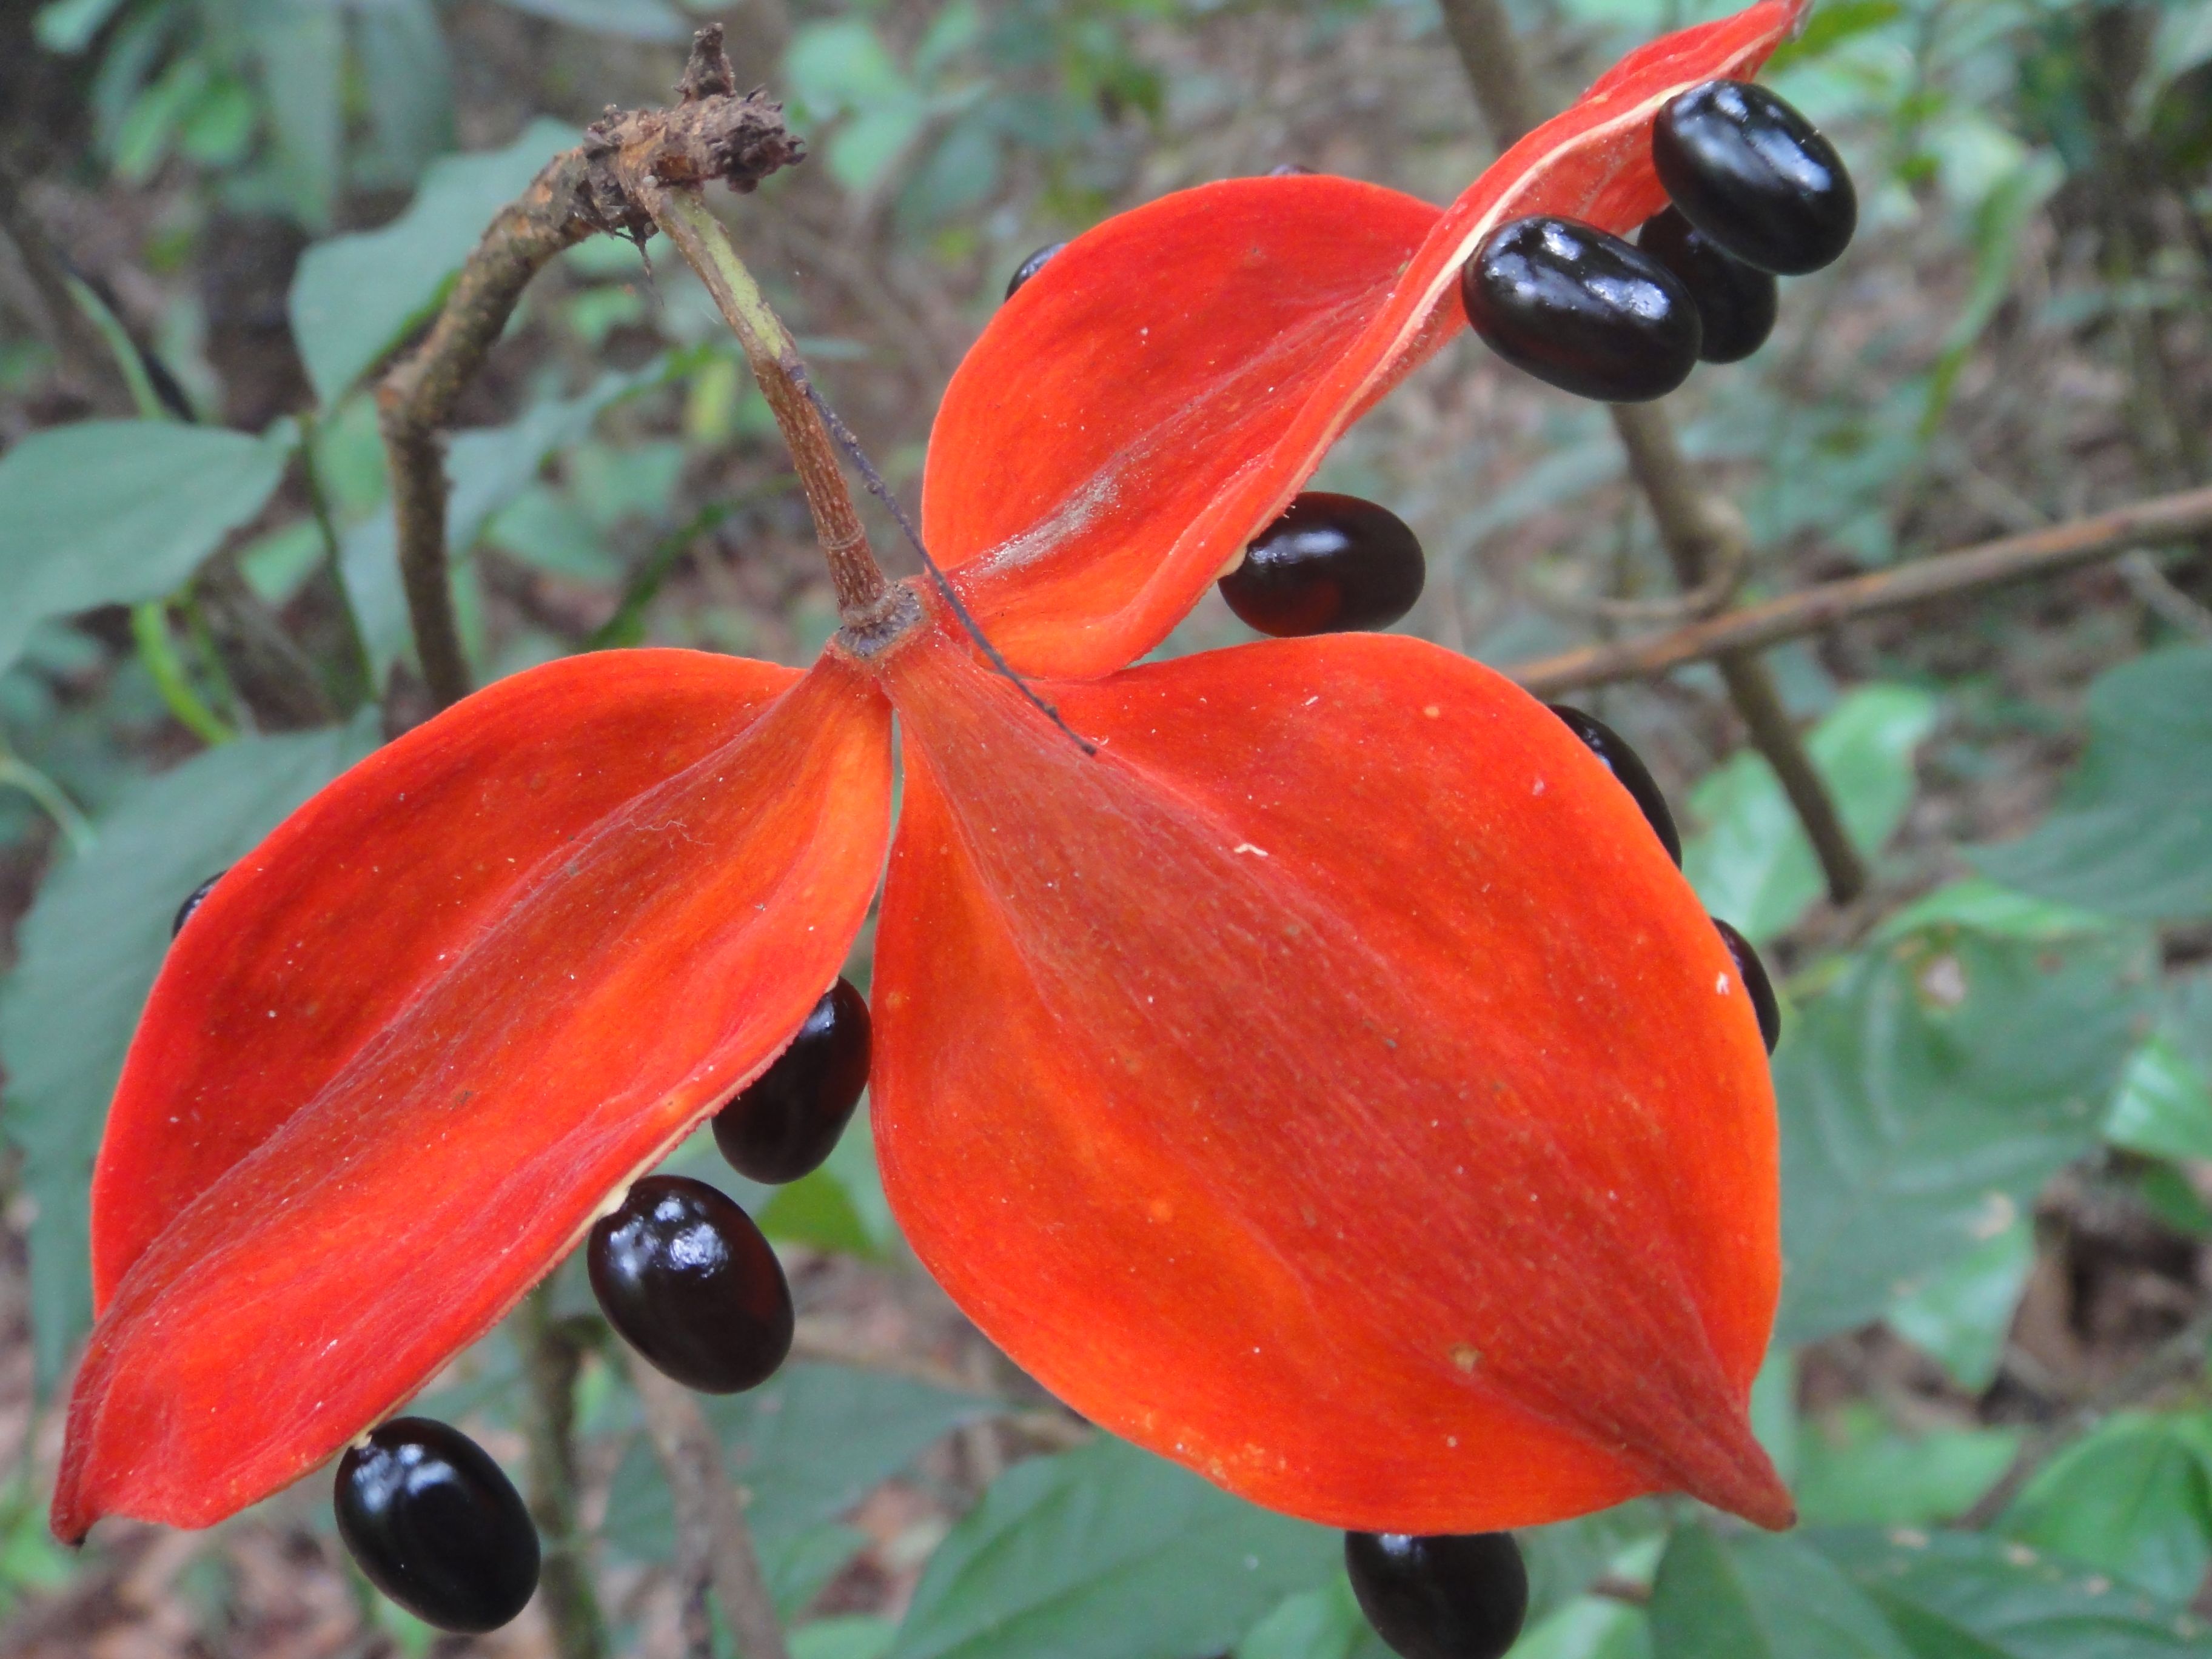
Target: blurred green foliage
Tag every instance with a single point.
(2041, 1012)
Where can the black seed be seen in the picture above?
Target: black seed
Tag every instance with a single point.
(192, 902)
(1331, 564)
(1581, 309)
(1755, 176)
(1030, 266)
(1761, 988)
(1735, 302)
(436, 1525)
(787, 1120)
(1625, 764)
(682, 1273)
(1451, 1596)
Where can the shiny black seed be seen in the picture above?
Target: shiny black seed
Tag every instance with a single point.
(1625, 764)
(436, 1525)
(1030, 266)
(787, 1120)
(1331, 564)
(193, 903)
(1735, 302)
(1755, 176)
(1581, 309)
(1753, 973)
(1451, 1596)
(685, 1276)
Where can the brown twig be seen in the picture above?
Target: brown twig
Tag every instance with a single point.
(578, 194)
(1691, 528)
(708, 1520)
(2181, 1355)
(1990, 564)
(554, 1356)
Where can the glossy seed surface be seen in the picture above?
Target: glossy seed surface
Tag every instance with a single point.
(1625, 764)
(1030, 266)
(1582, 310)
(436, 1525)
(1756, 983)
(193, 903)
(688, 1281)
(1453, 1596)
(1755, 176)
(1736, 302)
(787, 1120)
(1331, 564)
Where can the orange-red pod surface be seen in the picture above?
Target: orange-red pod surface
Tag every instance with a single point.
(386, 1075)
(1331, 1084)
(1164, 386)
(1325, 1080)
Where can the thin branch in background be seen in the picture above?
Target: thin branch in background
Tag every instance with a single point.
(1688, 526)
(2179, 1356)
(708, 1520)
(1815, 610)
(1691, 530)
(554, 1354)
(578, 194)
(277, 681)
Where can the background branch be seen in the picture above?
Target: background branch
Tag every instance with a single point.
(709, 1523)
(553, 1355)
(578, 194)
(1693, 527)
(1990, 564)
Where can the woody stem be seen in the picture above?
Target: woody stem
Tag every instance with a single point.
(864, 598)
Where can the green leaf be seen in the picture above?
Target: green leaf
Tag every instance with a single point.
(1588, 1627)
(2165, 1104)
(119, 512)
(1926, 1097)
(815, 1210)
(2132, 834)
(1853, 1467)
(855, 1635)
(1985, 908)
(842, 66)
(410, 86)
(353, 297)
(1565, 1556)
(1107, 1552)
(1760, 1597)
(1959, 1315)
(68, 26)
(488, 467)
(2135, 1498)
(1752, 865)
(301, 46)
(542, 527)
(1967, 1596)
(627, 20)
(1315, 1624)
(815, 1440)
(89, 948)
(805, 1446)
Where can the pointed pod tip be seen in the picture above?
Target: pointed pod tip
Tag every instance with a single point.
(1742, 1480)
